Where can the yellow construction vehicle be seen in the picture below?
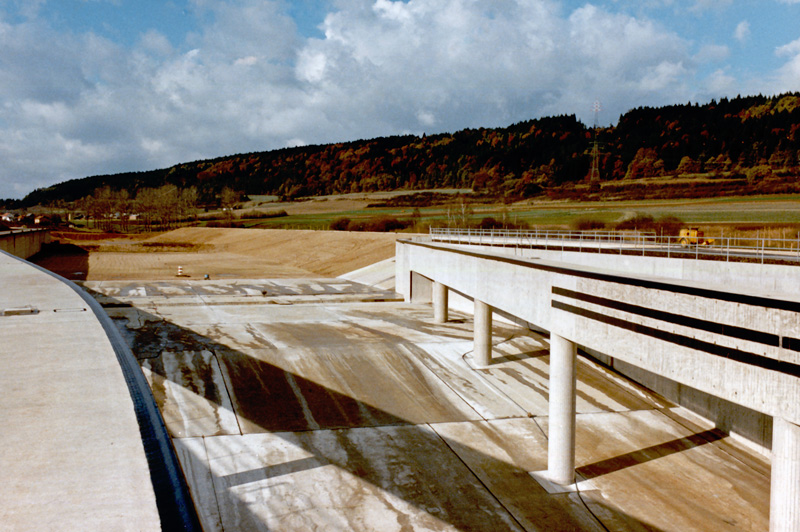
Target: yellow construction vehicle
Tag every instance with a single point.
(693, 237)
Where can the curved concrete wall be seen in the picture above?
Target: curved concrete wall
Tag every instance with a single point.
(78, 416)
(25, 243)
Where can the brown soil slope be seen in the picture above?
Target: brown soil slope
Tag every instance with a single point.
(226, 253)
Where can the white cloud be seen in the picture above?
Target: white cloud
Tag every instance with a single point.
(154, 42)
(742, 31)
(77, 105)
(787, 77)
(468, 64)
(426, 118)
(250, 60)
(720, 83)
(791, 49)
(712, 53)
(311, 66)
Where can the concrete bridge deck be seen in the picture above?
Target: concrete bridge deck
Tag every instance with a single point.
(73, 455)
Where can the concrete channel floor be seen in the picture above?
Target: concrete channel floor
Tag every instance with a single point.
(325, 404)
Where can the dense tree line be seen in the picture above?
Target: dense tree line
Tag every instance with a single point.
(754, 139)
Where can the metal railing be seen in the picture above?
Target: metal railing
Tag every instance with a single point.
(733, 248)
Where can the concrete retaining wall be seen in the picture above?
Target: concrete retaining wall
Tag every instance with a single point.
(24, 244)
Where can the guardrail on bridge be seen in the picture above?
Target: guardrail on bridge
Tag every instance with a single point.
(733, 248)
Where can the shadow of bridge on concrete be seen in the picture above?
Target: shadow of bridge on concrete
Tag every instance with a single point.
(302, 454)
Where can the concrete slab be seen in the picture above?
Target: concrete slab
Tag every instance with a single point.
(72, 455)
(690, 480)
(124, 290)
(313, 388)
(446, 361)
(501, 453)
(367, 416)
(545, 480)
(372, 482)
(524, 375)
(191, 394)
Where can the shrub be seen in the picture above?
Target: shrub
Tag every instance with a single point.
(490, 223)
(259, 215)
(640, 222)
(216, 223)
(385, 224)
(340, 224)
(588, 224)
(380, 224)
(668, 225)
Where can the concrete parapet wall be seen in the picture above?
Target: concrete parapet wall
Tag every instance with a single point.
(778, 278)
(24, 244)
(725, 353)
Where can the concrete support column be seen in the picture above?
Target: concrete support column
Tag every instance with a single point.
(482, 348)
(784, 511)
(440, 302)
(561, 443)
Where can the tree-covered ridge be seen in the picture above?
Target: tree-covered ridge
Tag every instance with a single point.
(725, 136)
(751, 139)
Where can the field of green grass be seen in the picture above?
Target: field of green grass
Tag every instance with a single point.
(756, 210)
(714, 214)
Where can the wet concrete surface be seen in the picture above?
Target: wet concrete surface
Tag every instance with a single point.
(327, 405)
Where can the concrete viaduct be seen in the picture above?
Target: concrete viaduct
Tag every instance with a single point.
(23, 243)
(733, 341)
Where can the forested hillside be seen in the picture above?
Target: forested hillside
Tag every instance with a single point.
(741, 145)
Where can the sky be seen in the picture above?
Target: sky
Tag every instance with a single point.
(92, 87)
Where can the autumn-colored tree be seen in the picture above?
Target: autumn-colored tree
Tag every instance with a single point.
(688, 166)
(227, 201)
(645, 164)
(725, 138)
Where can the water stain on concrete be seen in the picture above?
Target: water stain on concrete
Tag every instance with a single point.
(343, 415)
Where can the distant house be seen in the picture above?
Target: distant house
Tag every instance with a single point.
(8, 217)
(42, 219)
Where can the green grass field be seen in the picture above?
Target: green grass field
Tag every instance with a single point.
(727, 213)
(756, 210)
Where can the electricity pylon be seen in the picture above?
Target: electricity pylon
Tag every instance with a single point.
(594, 176)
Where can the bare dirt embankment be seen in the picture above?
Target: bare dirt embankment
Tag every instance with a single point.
(219, 253)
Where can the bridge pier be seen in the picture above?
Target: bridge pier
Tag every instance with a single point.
(482, 349)
(784, 514)
(561, 442)
(440, 302)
